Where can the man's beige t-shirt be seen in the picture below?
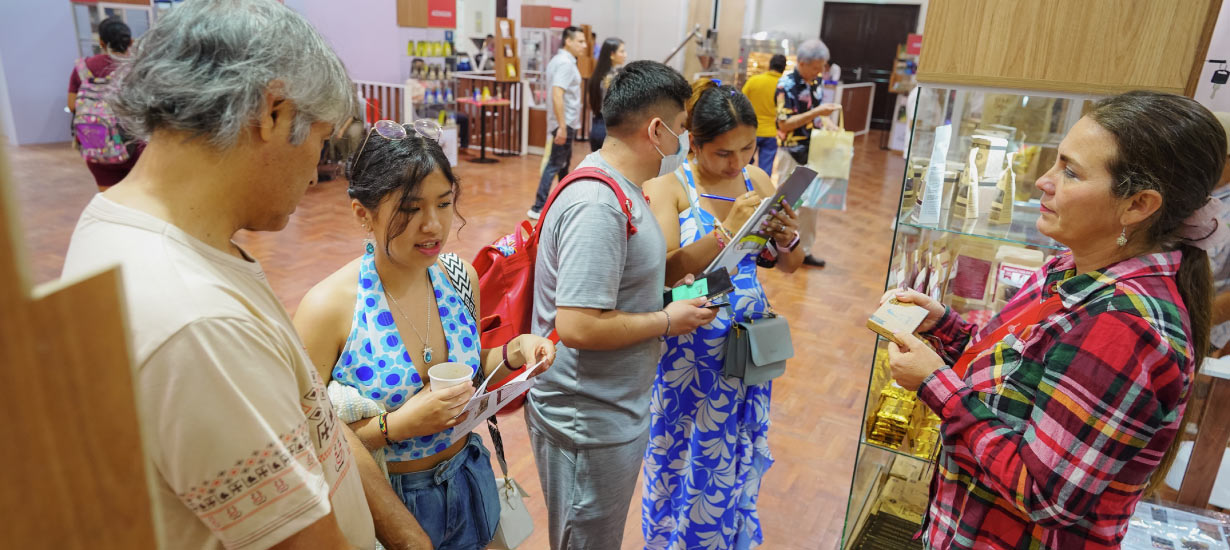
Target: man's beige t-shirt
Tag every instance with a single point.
(235, 420)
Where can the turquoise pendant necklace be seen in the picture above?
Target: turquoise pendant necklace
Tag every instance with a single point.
(426, 346)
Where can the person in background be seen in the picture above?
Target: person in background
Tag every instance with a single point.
(246, 449)
(115, 38)
(694, 498)
(601, 289)
(799, 101)
(1065, 409)
(593, 40)
(761, 91)
(610, 59)
(485, 59)
(1221, 261)
(563, 113)
(382, 320)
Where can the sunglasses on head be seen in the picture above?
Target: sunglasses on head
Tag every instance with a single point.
(395, 131)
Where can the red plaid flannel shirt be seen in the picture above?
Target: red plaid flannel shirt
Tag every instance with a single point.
(1051, 437)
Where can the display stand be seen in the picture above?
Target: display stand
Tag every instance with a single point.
(952, 246)
(507, 62)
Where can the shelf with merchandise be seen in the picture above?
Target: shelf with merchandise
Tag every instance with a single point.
(888, 499)
(980, 151)
(1020, 231)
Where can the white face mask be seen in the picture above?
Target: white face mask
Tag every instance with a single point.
(673, 161)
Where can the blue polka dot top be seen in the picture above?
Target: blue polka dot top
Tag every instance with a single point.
(375, 361)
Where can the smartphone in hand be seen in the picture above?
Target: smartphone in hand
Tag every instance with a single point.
(712, 285)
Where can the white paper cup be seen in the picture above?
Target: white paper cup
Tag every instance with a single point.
(446, 375)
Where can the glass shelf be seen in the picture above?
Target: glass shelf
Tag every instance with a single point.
(898, 452)
(1021, 231)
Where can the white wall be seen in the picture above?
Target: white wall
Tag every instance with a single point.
(801, 18)
(1219, 48)
(38, 43)
(6, 109)
(650, 29)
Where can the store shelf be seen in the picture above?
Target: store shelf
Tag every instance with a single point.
(1022, 231)
(899, 452)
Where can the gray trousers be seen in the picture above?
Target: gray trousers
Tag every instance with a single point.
(588, 490)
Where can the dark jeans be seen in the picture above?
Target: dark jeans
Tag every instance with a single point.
(766, 150)
(557, 166)
(597, 134)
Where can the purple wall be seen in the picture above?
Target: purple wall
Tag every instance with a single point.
(364, 33)
(39, 47)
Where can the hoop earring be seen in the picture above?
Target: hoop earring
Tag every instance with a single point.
(1122, 240)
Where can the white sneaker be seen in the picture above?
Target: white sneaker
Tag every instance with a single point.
(532, 214)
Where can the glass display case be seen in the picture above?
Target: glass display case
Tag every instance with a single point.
(965, 235)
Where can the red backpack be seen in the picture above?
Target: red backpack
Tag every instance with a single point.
(506, 272)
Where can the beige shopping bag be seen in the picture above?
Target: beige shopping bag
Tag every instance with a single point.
(830, 151)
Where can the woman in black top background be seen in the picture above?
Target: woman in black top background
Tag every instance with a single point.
(610, 58)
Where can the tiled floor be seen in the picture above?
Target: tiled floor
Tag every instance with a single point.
(816, 408)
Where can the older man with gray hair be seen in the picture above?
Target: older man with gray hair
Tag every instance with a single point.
(235, 98)
(799, 103)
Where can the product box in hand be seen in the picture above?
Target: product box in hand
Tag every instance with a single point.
(896, 317)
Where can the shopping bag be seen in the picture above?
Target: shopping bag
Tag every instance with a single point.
(830, 151)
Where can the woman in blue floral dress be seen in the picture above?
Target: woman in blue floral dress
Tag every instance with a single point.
(708, 448)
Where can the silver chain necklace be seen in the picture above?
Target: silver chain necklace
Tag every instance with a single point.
(426, 345)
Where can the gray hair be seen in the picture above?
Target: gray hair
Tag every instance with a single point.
(205, 67)
(812, 50)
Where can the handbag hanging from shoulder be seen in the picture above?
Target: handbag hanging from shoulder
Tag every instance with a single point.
(757, 349)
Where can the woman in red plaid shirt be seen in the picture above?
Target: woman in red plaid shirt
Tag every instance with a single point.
(1062, 411)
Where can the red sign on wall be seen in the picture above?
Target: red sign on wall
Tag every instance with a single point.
(561, 18)
(442, 14)
(913, 44)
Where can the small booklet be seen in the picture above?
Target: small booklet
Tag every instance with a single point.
(484, 404)
(749, 239)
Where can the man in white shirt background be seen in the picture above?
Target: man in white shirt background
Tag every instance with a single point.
(563, 113)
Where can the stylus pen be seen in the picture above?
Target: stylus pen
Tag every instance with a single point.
(717, 197)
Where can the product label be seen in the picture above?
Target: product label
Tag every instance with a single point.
(933, 192)
(971, 279)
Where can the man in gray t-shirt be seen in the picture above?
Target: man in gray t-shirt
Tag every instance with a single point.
(601, 289)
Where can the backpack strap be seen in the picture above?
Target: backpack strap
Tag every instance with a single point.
(591, 173)
(83, 72)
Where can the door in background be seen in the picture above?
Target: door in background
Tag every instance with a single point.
(863, 39)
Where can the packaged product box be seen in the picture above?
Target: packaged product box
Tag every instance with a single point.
(895, 317)
(1014, 265)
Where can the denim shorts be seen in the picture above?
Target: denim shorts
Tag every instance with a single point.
(456, 503)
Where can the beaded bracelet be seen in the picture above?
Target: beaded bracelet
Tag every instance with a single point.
(667, 332)
(383, 423)
(720, 239)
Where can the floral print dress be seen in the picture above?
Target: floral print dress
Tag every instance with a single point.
(708, 446)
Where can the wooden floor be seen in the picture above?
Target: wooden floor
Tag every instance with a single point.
(817, 405)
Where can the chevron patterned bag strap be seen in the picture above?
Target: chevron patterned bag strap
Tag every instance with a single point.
(460, 279)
